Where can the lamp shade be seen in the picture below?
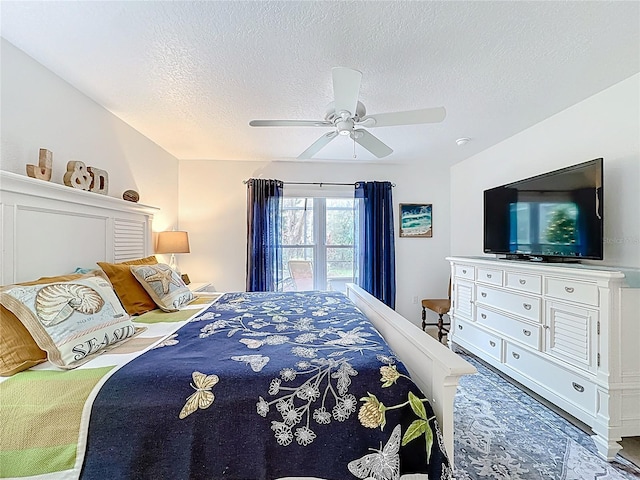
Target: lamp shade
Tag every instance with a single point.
(173, 242)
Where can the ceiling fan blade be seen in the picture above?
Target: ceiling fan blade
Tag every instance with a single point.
(346, 87)
(410, 117)
(318, 145)
(371, 143)
(290, 123)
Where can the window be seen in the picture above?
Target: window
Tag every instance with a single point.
(317, 243)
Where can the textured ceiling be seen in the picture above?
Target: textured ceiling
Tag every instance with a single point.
(190, 75)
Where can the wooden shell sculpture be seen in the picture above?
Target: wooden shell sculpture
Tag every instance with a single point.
(56, 302)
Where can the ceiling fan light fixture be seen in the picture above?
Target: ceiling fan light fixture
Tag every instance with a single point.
(344, 127)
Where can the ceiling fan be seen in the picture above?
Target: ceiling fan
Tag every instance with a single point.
(346, 114)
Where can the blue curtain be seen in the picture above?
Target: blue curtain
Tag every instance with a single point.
(375, 250)
(264, 235)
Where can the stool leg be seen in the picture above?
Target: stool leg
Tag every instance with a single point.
(424, 318)
(440, 327)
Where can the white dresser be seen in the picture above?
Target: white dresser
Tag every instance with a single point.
(569, 332)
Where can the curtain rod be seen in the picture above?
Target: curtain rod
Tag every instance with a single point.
(319, 183)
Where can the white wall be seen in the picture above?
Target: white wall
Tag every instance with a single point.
(213, 211)
(40, 110)
(606, 125)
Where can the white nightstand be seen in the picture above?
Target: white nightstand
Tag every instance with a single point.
(201, 287)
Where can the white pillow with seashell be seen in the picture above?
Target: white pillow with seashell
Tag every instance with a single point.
(164, 285)
(72, 321)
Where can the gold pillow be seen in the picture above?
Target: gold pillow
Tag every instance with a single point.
(132, 295)
(18, 349)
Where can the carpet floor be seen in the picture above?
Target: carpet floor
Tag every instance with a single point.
(501, 432)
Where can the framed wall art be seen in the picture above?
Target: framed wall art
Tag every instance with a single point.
(415, 220)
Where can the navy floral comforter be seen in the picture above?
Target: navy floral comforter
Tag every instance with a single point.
(266, 386)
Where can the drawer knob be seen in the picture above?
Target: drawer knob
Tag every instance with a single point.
(483, 315)
(488, 275)
(568, 289)
(515, 355)
(492, 343)
(526, 306)
(522, 281)
(483, 294)
(578, 387)
(527, 333)
(464, 271)
(459, 327)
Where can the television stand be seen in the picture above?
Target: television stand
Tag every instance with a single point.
(569, 334)
(516, 256)
(523, 257)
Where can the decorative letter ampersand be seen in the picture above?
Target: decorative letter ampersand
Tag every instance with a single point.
(77, 175)
(42, 171)
(86, 178)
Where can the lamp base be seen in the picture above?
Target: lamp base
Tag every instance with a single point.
(173, 263)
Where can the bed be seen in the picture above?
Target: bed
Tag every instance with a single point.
(247, 385)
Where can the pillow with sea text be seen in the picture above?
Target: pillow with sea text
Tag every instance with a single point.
(18, 350)
(71, 321)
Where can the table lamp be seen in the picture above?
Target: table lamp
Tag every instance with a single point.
(173, 242)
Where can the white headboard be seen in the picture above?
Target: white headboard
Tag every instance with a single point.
(51, 229)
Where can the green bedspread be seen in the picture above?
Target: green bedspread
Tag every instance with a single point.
(44, 411)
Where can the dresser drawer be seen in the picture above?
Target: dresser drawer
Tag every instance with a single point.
(488, 343)
(575, 389)
(523, 282)
(465, 271)
(514, 303)
(490, 276)
(572, 291)
(523, 332)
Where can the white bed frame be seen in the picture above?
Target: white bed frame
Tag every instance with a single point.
(433, 367)
(51, 229)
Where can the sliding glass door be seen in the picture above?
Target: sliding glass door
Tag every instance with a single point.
(318, 243)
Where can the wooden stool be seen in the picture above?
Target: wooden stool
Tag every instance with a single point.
(441, 306)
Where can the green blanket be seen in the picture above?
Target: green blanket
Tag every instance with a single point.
(41, 411)
(31, 443)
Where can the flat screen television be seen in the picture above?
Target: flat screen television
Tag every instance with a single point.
(556, 216)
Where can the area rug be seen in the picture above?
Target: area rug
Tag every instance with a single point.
(501, 432)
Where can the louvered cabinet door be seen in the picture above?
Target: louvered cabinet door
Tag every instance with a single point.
(463, 293)
(571, 334)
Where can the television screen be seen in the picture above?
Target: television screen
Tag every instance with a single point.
(555, 215)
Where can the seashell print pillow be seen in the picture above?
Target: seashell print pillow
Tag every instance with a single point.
(164, 285)
(71, 321)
